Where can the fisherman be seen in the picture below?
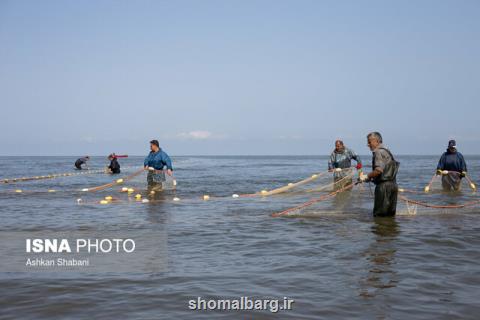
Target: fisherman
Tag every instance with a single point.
(155, 163)
(452, 167)
(384, 174)
(114, 167)
(82, 161)
(341, 158)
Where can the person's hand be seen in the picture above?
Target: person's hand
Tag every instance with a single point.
(359, 166)
(169, 172)
(145, 168)
(438, 172)
(338, 169)
(363, 178)
(463, 174)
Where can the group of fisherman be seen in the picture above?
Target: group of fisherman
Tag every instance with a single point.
(155, 163)
(113, 167)
(451, 167)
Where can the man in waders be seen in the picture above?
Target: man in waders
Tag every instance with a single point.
(114, 167)
(155, 163)
(452, 167)
(81, 161)
(340, 159)
(384, 175)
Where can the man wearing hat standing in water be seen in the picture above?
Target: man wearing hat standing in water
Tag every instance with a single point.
(155, 163)
(452, 167)
(384, 175)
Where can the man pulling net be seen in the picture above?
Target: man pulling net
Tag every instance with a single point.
(155, 163)
(452, 167)
(340, 162)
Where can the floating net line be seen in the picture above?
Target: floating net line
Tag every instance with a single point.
(56, 175)
(317, 183)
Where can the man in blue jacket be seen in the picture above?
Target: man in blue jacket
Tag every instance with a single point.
(155, 163)
(452, 167)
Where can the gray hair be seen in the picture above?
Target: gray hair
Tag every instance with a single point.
(376, 135)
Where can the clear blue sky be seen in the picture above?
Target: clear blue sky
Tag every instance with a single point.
(238, 77)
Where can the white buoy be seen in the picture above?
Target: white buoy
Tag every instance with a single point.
(103, 202)
(109, 198)
(79, 200)
(174, 182)
(206, 197)
(314, 176)
(235, 195)
(338, 169)
(145, 201)
(176, 199)
(427, 188)
(124, 189)
(85, 189)
(138, 196)
(119, 180)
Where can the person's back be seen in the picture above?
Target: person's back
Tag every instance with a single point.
(81, 161)
(114, 166)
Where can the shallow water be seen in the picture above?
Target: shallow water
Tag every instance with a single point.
(335, 263)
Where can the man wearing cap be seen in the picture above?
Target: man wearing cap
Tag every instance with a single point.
(452, 167)
(340, 159)
(155, 163)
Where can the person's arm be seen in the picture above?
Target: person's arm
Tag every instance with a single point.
(380, 162)
(168, 162)
(356, 157)
(463, 164)
(145, 162)
(441, 163)
(331, 161)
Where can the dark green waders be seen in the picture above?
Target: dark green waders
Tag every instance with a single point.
(385, 199)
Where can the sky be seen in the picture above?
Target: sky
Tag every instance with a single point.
(238, 77)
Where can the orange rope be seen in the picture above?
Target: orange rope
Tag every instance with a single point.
(428, 205)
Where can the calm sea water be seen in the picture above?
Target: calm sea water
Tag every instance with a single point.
(337, 263)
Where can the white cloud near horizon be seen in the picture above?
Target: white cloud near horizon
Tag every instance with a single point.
(199, 135)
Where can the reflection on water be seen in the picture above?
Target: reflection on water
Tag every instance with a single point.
(381, 256)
